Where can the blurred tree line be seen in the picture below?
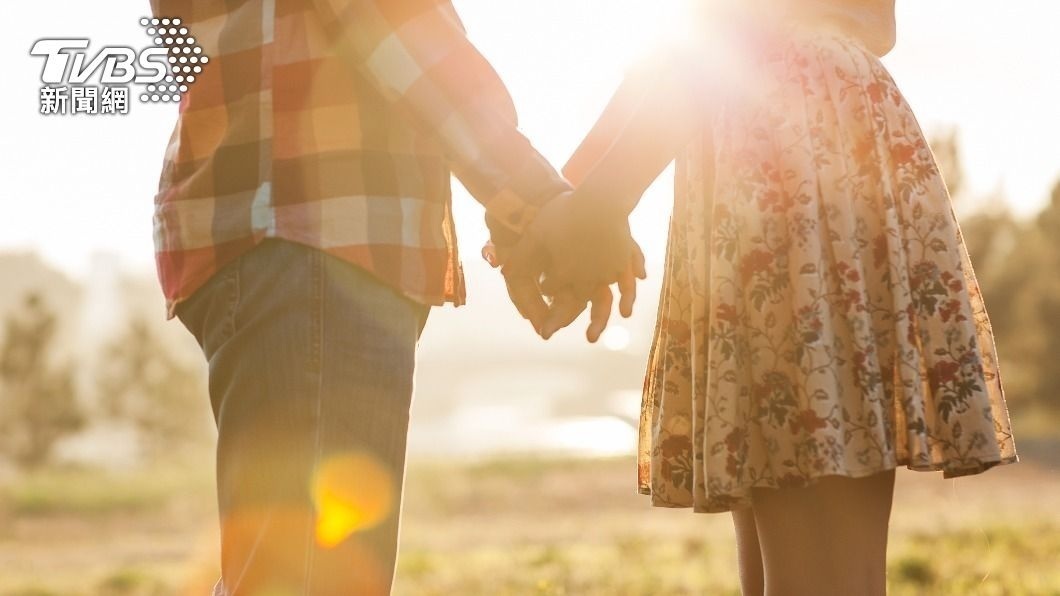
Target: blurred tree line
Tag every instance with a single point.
(39, 403)
(139, 384)
(1017, 263)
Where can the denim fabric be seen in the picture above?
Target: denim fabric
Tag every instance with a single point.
(310, 375)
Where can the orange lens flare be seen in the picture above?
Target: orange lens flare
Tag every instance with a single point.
(352, 493)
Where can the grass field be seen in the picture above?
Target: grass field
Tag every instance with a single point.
(523, 527)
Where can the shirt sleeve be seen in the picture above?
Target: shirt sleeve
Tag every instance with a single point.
(417, 54)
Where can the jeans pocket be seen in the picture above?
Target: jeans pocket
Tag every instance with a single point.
(209, 314)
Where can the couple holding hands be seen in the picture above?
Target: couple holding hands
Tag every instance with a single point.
(820, 322)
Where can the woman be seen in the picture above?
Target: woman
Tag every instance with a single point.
(820, 322)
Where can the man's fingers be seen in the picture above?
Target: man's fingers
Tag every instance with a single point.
(552, 285)
(600, 313)
(495, 255)
(565, 309)
(527, 299)
(525, 259)
(560, 279)
(627, 291)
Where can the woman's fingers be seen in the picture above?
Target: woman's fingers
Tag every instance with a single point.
(627, 291)
(600, 313)
(627, 283)
(640, 269)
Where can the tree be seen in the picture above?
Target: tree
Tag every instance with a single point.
(39, 405)
(992, 241)
(947, 150)
(140, 382)
(1047, 300)
(1015, 262)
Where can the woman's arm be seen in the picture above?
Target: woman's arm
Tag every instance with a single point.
(657, 110)
(621, 107)
(582, 241)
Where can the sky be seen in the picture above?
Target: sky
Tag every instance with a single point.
(77, 186)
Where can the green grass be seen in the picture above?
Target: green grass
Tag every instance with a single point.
(997, 560)
(518, 528)
(629, 566)
(81, 491)
(991, 559)
(132, 582)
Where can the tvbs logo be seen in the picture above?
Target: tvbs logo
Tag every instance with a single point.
(164, 71)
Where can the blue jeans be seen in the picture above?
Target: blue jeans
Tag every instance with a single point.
(310, 372)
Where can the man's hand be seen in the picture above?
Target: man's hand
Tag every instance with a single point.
(526, 294)
(523, 290)
(580, 246)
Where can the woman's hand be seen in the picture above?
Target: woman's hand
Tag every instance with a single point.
(575, 245)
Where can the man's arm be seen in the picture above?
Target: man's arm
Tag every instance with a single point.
(418, 56)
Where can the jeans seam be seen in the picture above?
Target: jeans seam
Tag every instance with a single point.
(317, 309)
(232, 287)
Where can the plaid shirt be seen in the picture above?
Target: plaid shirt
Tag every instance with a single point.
(336, 124)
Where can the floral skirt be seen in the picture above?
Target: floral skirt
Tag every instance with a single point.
(819, 313)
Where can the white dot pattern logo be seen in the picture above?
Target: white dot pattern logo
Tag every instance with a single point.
(183, 50)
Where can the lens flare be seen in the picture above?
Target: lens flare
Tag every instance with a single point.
(266, 555)
(351, 493)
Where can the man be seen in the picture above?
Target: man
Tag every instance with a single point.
(303, 229)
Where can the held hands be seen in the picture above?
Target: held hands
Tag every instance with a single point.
(570, 254)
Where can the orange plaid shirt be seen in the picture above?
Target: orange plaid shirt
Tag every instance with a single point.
(337, 124)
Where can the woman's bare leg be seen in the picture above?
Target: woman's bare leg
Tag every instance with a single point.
(748, 552)
(829, 539)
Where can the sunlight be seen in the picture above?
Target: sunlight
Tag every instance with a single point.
(599, 436)
(616, 338)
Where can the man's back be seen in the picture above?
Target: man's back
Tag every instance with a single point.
(334, 124)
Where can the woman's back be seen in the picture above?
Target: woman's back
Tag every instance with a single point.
(872, 21)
